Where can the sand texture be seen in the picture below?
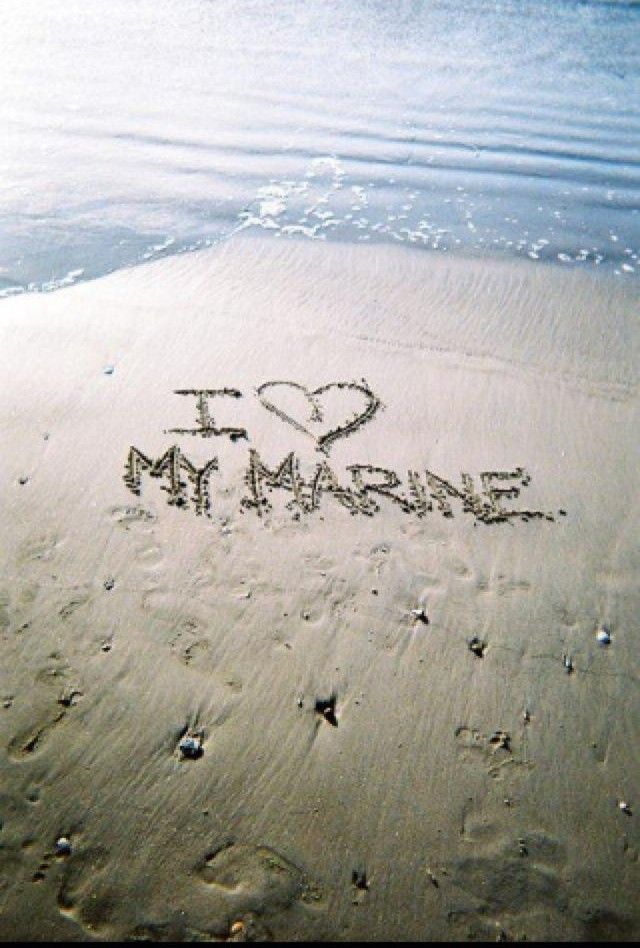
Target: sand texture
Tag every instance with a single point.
(347, 520)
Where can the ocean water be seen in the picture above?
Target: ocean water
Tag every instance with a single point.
(140, 128)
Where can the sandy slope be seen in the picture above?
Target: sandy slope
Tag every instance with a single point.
(442, 793)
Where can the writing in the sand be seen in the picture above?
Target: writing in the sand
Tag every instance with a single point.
(421, 493)
(361, 489)
(306, 412)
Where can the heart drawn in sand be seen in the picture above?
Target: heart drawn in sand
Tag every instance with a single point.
(314, 399)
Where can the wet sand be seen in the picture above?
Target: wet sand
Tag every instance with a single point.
(314, 654)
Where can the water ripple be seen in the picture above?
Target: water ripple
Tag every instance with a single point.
(132, 131)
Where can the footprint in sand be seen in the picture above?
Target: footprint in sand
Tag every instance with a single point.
(55, 674)
(11, 869)
(5, 620)
(495, 749)
(506, 880)
(30, 740)
(160, 602)
(84, 893)
(318, 563)
(150, 557)
(128, 516)
(42, 547)
(16, 604)
(148, 553)
(54, 670)
(79, 599)
(516, 888)
(503, 585)
(177, 930)
(16, 843)
(257, 880)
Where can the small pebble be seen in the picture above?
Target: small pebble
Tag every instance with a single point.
(568, 664)
(603, 635)
(109, 369)
(237, 928)
(624, 807)
(190, 746)
(477, 646)
(23, 480)
(421, 615)
(106, 647)
(500, 739)
(327, 708)
(63, 846)
(68, 698)
(109, 583)
(359, 880)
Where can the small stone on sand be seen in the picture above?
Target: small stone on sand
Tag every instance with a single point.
(63, 846)
(500, 739)
(477, 646)
(603, 635)
(191, 746)
(327, 708)
(69, 697)
(359, 880)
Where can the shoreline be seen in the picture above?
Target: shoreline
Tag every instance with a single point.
(625, 280)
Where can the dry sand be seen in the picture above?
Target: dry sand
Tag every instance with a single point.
(365, 773)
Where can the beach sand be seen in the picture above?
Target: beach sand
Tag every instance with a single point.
(402, 723)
